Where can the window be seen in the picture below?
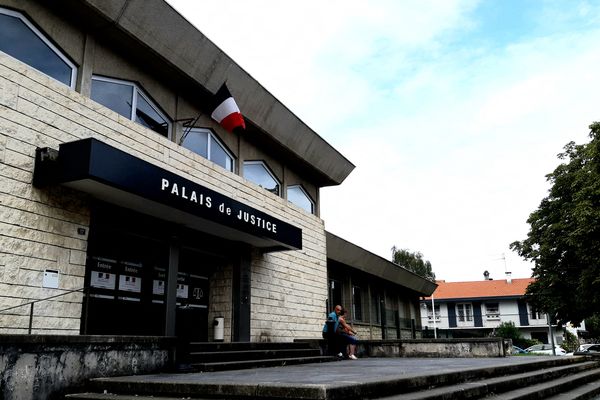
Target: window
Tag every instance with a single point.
(376, 307)
(492, 311)
(20, 39)
(204, 142)
(297, 196)
(464, 312)
(430, 313)
(127, 99)
(257, 172)
(534, 313)
(335, 293)
(357, 303)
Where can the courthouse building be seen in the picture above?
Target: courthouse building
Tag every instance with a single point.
(130, 211)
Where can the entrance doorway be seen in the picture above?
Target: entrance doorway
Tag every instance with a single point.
(192, 297)
(127, 277)
(125, 285)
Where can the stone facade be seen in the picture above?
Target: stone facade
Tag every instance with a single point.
(47, 229)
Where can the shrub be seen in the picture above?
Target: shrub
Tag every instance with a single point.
(571, 343)
(507, 330)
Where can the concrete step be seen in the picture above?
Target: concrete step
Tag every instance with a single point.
(112, 396)
(259, 363)
(242, 346)
(547, 389)
(211, 356)
(475, 389)
(442, 382)
(243, 355)
(590, 390)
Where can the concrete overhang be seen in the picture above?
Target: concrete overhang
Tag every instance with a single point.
(165, 35)
(349, 254)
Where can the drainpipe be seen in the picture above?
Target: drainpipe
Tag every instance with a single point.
(433, 310)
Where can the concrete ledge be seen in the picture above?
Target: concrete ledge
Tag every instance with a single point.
(45, 366)
(83, 339)
(460, 348)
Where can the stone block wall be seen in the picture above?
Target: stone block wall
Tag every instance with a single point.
(40, 229)
(43, 367)
(367, 332)
(289, 290)
(220, 304)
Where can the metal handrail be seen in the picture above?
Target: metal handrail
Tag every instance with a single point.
(32, 303)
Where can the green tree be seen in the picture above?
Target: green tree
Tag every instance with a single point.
(564, 237)
(592, 326)
(413, 262)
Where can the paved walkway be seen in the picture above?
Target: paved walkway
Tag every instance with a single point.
(335, 374)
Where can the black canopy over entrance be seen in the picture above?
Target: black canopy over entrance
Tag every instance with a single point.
(114, 176)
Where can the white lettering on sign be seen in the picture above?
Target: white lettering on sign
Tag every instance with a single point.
(104, 265)
(257, 221)
(200, 199)
(185, 193)
(132, 270)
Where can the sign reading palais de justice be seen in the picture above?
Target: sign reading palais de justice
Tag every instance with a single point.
(203, 200)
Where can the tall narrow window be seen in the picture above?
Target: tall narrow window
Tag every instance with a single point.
(375, 307)
(534, 313)
(127, 99)
(257, 172)
(20, 39)
(297, 196)
(464, 312)
(357, 311)
(335, 293)
(205, 143)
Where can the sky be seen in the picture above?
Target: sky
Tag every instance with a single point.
(453, 111)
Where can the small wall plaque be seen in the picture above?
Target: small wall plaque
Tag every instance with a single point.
(50, 279)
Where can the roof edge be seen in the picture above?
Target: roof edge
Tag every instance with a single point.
(347, 253)
(158, 26)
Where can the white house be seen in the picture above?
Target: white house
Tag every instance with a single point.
(476, 308)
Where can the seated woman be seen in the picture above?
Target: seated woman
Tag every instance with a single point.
(347, 334)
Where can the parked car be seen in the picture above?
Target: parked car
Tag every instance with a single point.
(545, 349)
(584, 347)
(518, 350)
(591, 349)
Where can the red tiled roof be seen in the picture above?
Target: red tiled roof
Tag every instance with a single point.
(478, 289)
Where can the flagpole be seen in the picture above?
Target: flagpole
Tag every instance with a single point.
(188, 129)
(224, 110)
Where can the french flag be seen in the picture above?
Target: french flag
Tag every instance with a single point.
(226, 111)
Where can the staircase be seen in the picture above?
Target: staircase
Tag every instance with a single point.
(560, 378)
(579, 380)
(207, 357)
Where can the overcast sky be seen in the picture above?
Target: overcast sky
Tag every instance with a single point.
(452, 111)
